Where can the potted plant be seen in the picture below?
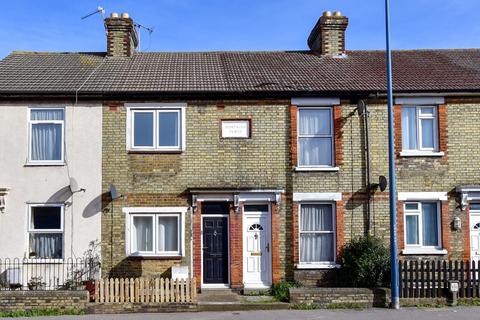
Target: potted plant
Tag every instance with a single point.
(36, 283)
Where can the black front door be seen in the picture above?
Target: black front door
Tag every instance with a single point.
(215, 250)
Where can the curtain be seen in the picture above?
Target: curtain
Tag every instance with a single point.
(315, 122)
(316, 150)
(430, 224)
(427, 133)
(168, 129)
(143, 234)
(167, 234)
(409, 128)
(316, 247)
(46, 245)
(46, 137)
(412, 229)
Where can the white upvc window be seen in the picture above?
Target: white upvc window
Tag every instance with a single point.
(155, 231)
(315, 137)
(46, 231)
(419, 129)
(317, 234)
(46, 128)
(156, 128)
(422, 224)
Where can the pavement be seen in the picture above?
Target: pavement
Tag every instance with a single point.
(458, 313)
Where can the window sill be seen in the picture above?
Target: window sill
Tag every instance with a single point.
(326, 169)
(424, 251)
(150, 151)
(45, 164)
(43, 261)
(135, 257)
(421, 154)
(318, 266)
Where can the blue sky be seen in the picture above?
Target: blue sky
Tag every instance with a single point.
(205, 25)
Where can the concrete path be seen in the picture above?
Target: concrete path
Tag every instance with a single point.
(462, 313)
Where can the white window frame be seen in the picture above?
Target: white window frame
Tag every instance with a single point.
(418, 123)
(419, 213)
(318, 264)
(31, 230)
(301, 167)
(156, 109)
(155, 213)
(30, 125)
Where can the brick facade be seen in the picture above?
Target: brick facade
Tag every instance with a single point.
(267, 160)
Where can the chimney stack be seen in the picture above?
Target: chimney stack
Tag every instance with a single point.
(122, 39)
(328, 35)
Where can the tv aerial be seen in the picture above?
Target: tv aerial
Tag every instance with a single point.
(100, 10)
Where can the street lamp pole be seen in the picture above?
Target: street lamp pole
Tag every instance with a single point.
(391, 169)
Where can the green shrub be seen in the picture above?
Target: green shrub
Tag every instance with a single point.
(281, 290)
(41, 312)
(365, 262)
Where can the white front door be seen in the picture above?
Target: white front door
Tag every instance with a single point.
(257, 256)
(475, 235)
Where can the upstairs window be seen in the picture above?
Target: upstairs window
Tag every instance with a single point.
(419, 129)
(46, 130)
(157, 129)
(46, 231)
(315, 137)
(422, 224)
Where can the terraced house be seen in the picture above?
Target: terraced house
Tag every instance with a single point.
(247, 168)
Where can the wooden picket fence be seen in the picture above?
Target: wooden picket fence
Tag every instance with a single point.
(145, 290)
(430, 278)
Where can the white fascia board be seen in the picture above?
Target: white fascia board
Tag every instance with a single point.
(317, 196)
(407, 196)
(262, 197)
(315, 102)
(419, 100)
(155, 209)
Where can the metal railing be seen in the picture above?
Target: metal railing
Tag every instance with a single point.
(47, 274)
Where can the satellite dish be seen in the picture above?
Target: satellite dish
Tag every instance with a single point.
(73, 185)
(361, 107)
(113, 192)
(382, 183)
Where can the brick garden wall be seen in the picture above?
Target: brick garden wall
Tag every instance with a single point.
(11, 301)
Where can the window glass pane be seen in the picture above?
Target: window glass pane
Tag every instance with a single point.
(315, 151)
(316, 247)
(427, 133)
(409, 128)
(46, 114)
(143, 237)
(256, 207)
(46, 218)
(46, 245)
(475, 206)
(315, 121)
(167, 234)
(143, 129)
(411, 206)
(412, 229)
(316, 217)
(168, 129)
(46, 141)
(215, 208)
(430, 224)
(427, 110)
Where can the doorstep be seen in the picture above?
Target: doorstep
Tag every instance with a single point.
(227, 300)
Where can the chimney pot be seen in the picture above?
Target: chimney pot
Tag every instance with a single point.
(114, 15)
(328, 35)
(125, 15)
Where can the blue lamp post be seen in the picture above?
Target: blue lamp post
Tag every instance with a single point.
(391, 170)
